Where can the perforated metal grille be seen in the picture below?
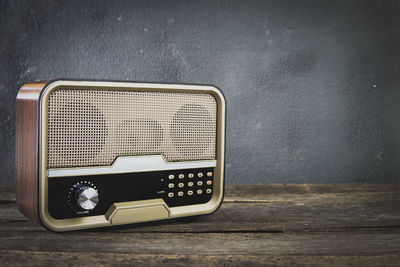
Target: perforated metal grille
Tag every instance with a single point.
(93, 127)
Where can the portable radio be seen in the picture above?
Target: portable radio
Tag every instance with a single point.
(103, 153)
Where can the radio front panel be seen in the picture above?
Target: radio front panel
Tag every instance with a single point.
(175, 187)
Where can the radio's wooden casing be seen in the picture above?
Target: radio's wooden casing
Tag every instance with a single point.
(31, 169)
(27, 149)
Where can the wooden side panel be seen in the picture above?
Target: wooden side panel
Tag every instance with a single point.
(27, 149)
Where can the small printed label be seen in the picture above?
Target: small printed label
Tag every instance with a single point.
(82, 212)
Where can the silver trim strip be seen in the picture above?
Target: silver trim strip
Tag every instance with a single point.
(132, 164)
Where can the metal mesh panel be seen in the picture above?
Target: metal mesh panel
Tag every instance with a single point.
(93, 127)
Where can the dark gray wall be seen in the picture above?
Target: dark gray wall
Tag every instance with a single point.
(312, 86)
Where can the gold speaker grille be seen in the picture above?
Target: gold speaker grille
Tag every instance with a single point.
(92, 127)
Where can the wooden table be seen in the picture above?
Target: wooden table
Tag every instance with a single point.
(283, 225)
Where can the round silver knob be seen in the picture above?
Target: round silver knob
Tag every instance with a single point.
(87, 197)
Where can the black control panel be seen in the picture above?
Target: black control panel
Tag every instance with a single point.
(71, 197)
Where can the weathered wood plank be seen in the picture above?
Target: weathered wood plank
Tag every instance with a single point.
(321, 243)
(21, 258)
(267, 217)
(292, 192)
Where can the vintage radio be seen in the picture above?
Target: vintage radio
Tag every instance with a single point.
(103, 153)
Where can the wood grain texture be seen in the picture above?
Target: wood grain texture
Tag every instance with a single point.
(27, 113)
(279, 225)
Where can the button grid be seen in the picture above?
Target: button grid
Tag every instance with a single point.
(190, 184)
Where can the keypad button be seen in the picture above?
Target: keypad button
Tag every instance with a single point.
(199, 183)
(180, 185)
(200, 174)
(171, 185)
(170, 194)
(209, 191)
(190, 175)
(209, 174)
(171, 177)
(181, 176)
(209, 182)
(180, 193)
(190, 192)
(190, 184)
(199, 192)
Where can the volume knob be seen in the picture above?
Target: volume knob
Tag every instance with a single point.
(87, 197)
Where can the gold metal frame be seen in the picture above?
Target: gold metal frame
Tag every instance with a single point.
(103, 220)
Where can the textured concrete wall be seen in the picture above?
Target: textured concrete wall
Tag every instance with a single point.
(312, 86)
